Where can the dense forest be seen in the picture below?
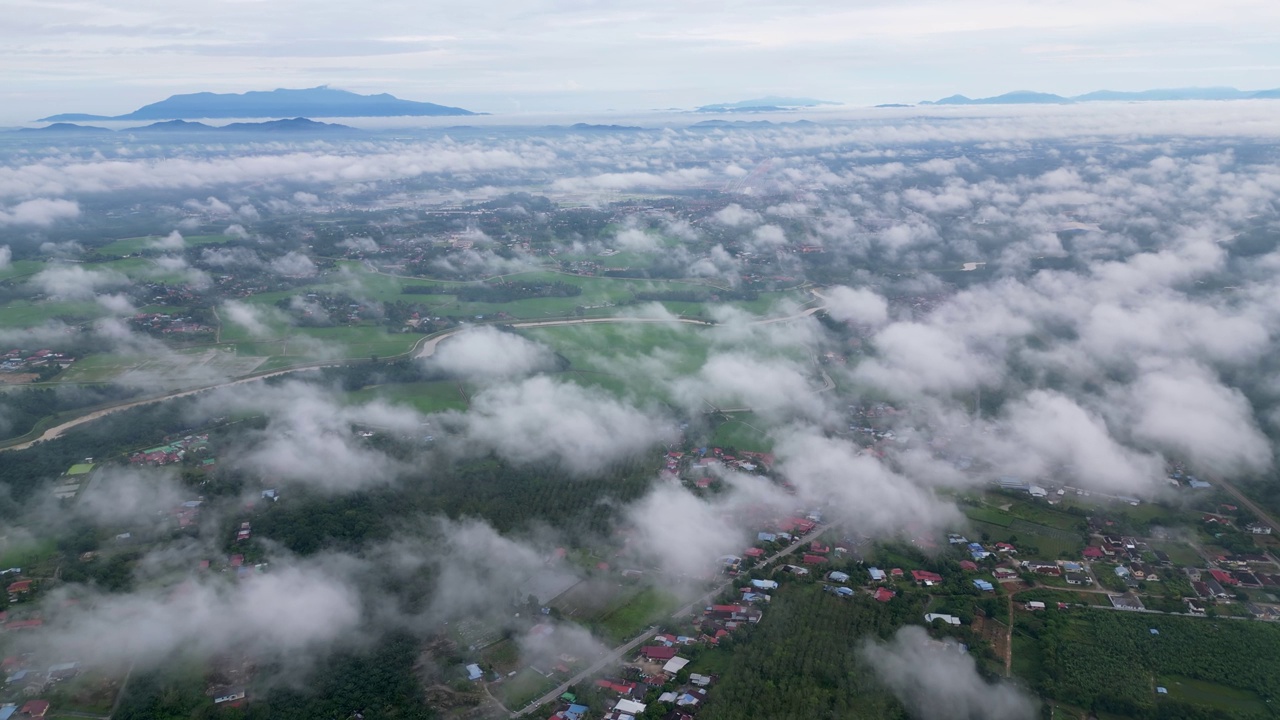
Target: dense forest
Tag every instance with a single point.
(21, 409)
(377, 685)
(802, 661)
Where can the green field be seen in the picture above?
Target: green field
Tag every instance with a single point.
(638, 612)
(743, 435)
(1221, 697)
(990, 516)
(425, 397)
(637, 358)
(20, 268)
(26, 313)
(524, 688)
(180, 368)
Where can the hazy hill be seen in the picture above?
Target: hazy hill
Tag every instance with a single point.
(1028, 97)
(281, 103)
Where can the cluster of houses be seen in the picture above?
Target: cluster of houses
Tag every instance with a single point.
(657, 667)
(700, 461)
(21, 361)
(23, 674)
(29, 709)
(174, 452)
(166, 324)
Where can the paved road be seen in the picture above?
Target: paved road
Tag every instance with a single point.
(614, 656)
(1261, 514)
(621, 651)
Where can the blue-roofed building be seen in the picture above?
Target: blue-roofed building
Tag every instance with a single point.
(766, 537)
(1199, 484)
(576, 712)
(843, 591)
(984, 586)
(7, 711)
(876, 574)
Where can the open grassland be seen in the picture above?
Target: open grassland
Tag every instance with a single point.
(425, 397)
(20, 268)
(638, 612)
(26, 313)
(177, 369)
(743, 434)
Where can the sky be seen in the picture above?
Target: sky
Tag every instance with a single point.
(521, 56)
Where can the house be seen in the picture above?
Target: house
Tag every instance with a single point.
(813, 559)
(764, 584)
(675, 665)
(35, 709)
(658, 652)
(700, 680)
(818, 548)
(766, 537)
(926, 578)
(1075, 578)
(1093, 553)
(19, 587)
(1069, 566)
(474, 672)
(1122, 571)
(837, 576)
(1216, 589)
(1035, 605)
(229, 695)
(968, 565)
(896, 572)
(977, 552)
(1201, 589)
(576, 712)
(841, 590)
(1043, 568)
(1003, 547)
(1221, 576)
(630, 707)
(7, 710)
(1161, 556)
(877, 575)
(1003, 573)
(754, 552)
(883, 594)
(1258, 528)
(948, 619)
(983, 585)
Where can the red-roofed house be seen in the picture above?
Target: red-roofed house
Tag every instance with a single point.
(1093, 552)
(968, 565)
(1221, 576)
(754, 552)
(818, 548)
(658, 652)
(884, 594)
(813, 560)
(237, 560)
(924, 577)
(20, 586)
(35, 709)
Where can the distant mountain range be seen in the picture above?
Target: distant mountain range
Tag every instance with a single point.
(1029, 97)
(295, 125)
(764, 104)
(282, 103)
